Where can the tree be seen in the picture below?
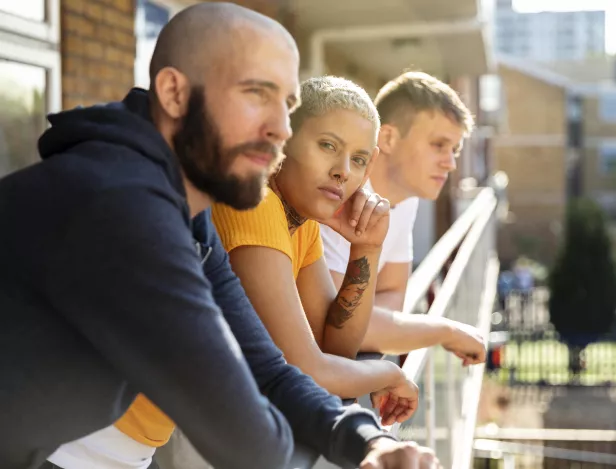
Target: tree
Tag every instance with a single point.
(583, 281)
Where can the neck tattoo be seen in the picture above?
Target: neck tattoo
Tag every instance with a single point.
(294, 219)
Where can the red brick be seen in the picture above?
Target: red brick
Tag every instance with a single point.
(94, 70)
(110, 73)
(124, 40)
(71, 102)
(72, 44)
(75, 6)
(104, 33)
(128, 60)
(94, 50)
(115, 18)
(74, 85)
(93, 10)
(77, 24)
(113, 55)
(125, 6)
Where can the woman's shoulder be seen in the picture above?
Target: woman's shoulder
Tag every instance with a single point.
(310, 229)
(264, 225)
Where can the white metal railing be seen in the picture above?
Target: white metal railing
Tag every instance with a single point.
(457, 279)
(460, 272)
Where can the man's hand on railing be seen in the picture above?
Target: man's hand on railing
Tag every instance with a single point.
(466, 343)
(396, 403)
(384, 453)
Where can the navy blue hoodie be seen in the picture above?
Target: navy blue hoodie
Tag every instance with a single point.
(103, 295)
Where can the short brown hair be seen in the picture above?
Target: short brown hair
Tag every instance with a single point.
(413, 92)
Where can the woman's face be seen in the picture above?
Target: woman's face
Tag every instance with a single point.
(327, 161)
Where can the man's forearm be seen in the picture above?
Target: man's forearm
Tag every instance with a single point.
(395, 333)
(349, 314)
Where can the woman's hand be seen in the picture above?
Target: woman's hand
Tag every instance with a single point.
(363, 219)
(396, 403)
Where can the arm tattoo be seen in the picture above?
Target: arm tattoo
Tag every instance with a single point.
(349, 297)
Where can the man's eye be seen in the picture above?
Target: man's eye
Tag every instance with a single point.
(327, 146)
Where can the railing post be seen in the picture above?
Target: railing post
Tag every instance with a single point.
(452, 413)
(429, 398)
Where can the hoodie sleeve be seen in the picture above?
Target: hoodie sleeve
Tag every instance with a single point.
(318, 419)
(126, 274)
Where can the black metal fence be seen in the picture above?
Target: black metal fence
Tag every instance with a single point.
(527, 350)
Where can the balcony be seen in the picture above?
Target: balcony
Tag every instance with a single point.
(444, 38)
(457, 279)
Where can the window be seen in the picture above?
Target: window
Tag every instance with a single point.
(607, 107)
(607, 159)
(37, 19)
(29, 9)
(23, 96)
(150, 18)
(30, 81)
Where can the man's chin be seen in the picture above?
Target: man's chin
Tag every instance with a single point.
(244, 197)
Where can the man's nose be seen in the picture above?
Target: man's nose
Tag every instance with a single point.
(279, 126)
(450, 163)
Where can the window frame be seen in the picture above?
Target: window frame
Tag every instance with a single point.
(47, 59)
(173, 8)
(36, 43)
(46, 31)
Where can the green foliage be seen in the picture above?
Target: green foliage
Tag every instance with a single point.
(583, 279)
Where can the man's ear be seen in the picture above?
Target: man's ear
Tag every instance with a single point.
(388, 138)
(172, 92)
(375, 156)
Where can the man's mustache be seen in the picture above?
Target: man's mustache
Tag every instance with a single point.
(262, 146)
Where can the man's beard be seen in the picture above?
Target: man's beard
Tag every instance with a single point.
(206, 163)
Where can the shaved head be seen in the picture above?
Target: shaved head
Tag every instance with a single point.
(203, 36)
(223, 81)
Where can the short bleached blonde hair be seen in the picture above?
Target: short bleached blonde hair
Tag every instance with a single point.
(320, 95)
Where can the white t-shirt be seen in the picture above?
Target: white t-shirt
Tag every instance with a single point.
(108, 448)
(398, 244)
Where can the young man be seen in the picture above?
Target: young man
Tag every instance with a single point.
(423, 124)
(102, 288)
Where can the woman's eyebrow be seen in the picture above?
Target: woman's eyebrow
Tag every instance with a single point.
(343, 143)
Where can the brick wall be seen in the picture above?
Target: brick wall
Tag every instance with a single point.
(533, 106)
(98, 50)
(596, 131)
(533, 154)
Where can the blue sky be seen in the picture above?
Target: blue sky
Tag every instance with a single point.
(573, 5)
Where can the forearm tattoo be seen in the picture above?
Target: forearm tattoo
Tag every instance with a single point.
(356, 280)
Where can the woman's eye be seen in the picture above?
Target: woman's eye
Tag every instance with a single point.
(327, 146)
(360, 161)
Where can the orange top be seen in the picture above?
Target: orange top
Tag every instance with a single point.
(267, 226)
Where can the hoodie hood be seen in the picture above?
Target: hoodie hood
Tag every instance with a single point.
(125, 123)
